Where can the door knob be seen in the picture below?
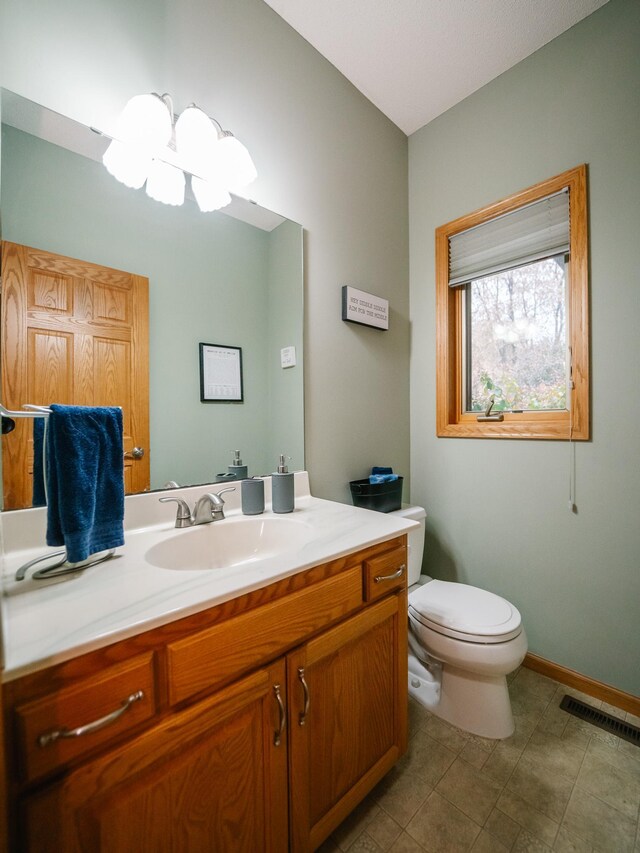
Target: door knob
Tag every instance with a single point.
(136, 453)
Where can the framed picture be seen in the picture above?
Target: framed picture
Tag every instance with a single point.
(220, 374)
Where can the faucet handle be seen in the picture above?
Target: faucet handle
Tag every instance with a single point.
(217, 503)
(222, 491)
(183, 514)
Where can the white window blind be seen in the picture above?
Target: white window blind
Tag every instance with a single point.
(530, 233)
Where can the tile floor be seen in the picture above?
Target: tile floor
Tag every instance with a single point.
(557, 784)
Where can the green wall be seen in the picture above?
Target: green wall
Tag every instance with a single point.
(285, 321)
(498, 515)
(209, 280)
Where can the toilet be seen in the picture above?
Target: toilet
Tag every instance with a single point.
(463, 642)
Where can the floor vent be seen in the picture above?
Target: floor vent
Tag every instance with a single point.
(603, 721)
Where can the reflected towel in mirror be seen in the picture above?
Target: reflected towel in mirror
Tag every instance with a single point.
(85, 479)
(39, 496)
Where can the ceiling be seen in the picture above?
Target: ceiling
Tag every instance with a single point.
(414, 59)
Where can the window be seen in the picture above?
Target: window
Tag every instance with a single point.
(512, 316)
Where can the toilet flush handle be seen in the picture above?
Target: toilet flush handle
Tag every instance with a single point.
(393, 577)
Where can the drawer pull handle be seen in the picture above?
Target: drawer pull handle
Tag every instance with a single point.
(52, 737)
(277, 738)
(392, 577)
(307, 699)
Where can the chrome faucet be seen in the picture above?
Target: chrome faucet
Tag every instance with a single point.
(209, 507)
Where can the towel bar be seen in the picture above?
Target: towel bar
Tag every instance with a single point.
(59, 568)
(33, 411)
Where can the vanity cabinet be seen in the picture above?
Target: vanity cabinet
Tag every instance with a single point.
(264, 721)
(208, 778)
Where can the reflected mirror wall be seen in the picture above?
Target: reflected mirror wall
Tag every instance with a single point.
(213, 278)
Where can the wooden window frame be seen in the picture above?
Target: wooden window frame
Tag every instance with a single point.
(451, 420)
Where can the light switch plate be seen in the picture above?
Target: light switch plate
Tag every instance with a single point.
(288, 357)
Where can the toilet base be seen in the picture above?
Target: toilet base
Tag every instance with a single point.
(475, 703)
(425, 683)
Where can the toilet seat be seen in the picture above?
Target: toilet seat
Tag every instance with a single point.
(464, 612)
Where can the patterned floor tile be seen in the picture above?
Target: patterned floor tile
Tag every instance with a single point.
(557, 755)
(611, 784)
(406, 844)
(503, 828)
(469, 790)
(529, 818)
(487, 843)
(548, 793)
(604, 827)
(532, 681)
(567, 842)
(384, 830)
(558, 783)
(527, 843)
(351, 828)
(442, 828)
(446, 734)
(400, 794)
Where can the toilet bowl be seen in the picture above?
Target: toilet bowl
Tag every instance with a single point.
(463, 642)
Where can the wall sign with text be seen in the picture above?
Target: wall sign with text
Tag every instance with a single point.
(364, 308)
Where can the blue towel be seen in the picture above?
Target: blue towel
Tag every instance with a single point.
(39, 497)
(376, 479)
(85, 479)
(379, 469)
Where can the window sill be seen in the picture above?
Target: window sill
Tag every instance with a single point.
(539, 425)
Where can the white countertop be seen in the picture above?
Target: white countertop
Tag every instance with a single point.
(47, 622)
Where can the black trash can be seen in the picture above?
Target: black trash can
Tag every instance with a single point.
(381, 497)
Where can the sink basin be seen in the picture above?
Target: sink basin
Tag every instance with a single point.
(230, 542)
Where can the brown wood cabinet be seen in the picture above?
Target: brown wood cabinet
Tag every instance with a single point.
(347, 690)
(262, 722)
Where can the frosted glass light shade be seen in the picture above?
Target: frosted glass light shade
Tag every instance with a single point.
(209, 195)
(196, 141)
(127, 163)
(145, 121)
(166, 183)
(143, 150)
(234, 162)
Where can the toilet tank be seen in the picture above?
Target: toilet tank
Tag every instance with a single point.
(415, 539)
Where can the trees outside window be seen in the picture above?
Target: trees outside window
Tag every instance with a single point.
(515, 330)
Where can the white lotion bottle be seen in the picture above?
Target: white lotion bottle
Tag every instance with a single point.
(282, 488)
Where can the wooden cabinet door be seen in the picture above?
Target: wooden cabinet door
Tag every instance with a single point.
(209, 778)
(348, 716)
(76, 333)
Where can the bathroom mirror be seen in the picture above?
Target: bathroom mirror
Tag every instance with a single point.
(231, 278)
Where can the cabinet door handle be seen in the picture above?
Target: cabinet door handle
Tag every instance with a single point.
(88, 728)
(307, 699)
(394, 576)
(277, 737)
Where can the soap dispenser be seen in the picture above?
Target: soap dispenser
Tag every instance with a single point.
(236, 468)
(282, 489)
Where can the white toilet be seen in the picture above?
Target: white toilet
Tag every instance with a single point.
(463, 642)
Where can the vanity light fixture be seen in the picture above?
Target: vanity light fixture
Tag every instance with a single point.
(151, 145)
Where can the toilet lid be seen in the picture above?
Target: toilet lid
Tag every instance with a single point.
(464, 612)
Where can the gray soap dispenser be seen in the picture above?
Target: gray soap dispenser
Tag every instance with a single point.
(282, 489)
(237, 468)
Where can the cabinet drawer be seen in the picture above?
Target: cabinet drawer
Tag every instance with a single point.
(109, 699)
(233, 647)
(385, 573)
